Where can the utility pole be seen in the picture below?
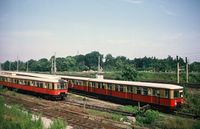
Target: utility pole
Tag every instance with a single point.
(187, 73)
(55, 69)
(0, 66)
(17, 64)
(178, 70)
(9, 65)
(27, 66)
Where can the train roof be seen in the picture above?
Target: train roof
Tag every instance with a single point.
(12, 75)
(130, 83)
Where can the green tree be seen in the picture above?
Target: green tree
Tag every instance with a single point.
(91, 60)
(129, 73)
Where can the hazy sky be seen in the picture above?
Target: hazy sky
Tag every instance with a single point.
(33, 29)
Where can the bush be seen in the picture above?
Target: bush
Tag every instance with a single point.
(148, 118)
(197, 125)
(58, 124)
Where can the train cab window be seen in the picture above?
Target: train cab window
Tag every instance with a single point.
(176, 94)
(167, 93)
(138, 90)
(145, 91)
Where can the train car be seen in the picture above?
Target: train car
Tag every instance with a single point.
(166, 95)
(48, 87)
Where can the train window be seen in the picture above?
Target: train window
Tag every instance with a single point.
(62, 84)
(26, 82)
(138, 90)
(38, 84)
(93, 84)
(80, 83)
(41, 85)
(120, 88)
(33, 83)
(17, 81)
(47, 85)
(145, 91)
(110, 86)
(167, 93)
(116, 88)
(53, 86)
(84, 83)
(130, 89)
(154, 92)
(58, 86)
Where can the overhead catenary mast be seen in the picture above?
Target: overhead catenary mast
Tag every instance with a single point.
(99, 74)
(27, 66)
(17, 64)
(9, 65)
(53, 64)
(0, 66)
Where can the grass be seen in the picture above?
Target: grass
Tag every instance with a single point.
(129, 108)
(58, 124)
(176, 123)
(16, 117)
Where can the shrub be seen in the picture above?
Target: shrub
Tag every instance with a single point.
(197, 125)
(148, 118)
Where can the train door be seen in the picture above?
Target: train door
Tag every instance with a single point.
(158, 97)
(109, 89)
(93, 87)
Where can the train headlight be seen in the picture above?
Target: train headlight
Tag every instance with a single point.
(175, 103)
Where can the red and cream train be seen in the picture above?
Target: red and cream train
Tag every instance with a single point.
(166, 95)
(45, 86)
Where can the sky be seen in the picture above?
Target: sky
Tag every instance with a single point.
(35, 29)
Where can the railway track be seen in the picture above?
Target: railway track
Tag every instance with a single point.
(54, 109)
(89, 106)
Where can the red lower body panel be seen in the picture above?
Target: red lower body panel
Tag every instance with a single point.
(34, 89)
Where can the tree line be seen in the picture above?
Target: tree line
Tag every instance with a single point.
(108, 62)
